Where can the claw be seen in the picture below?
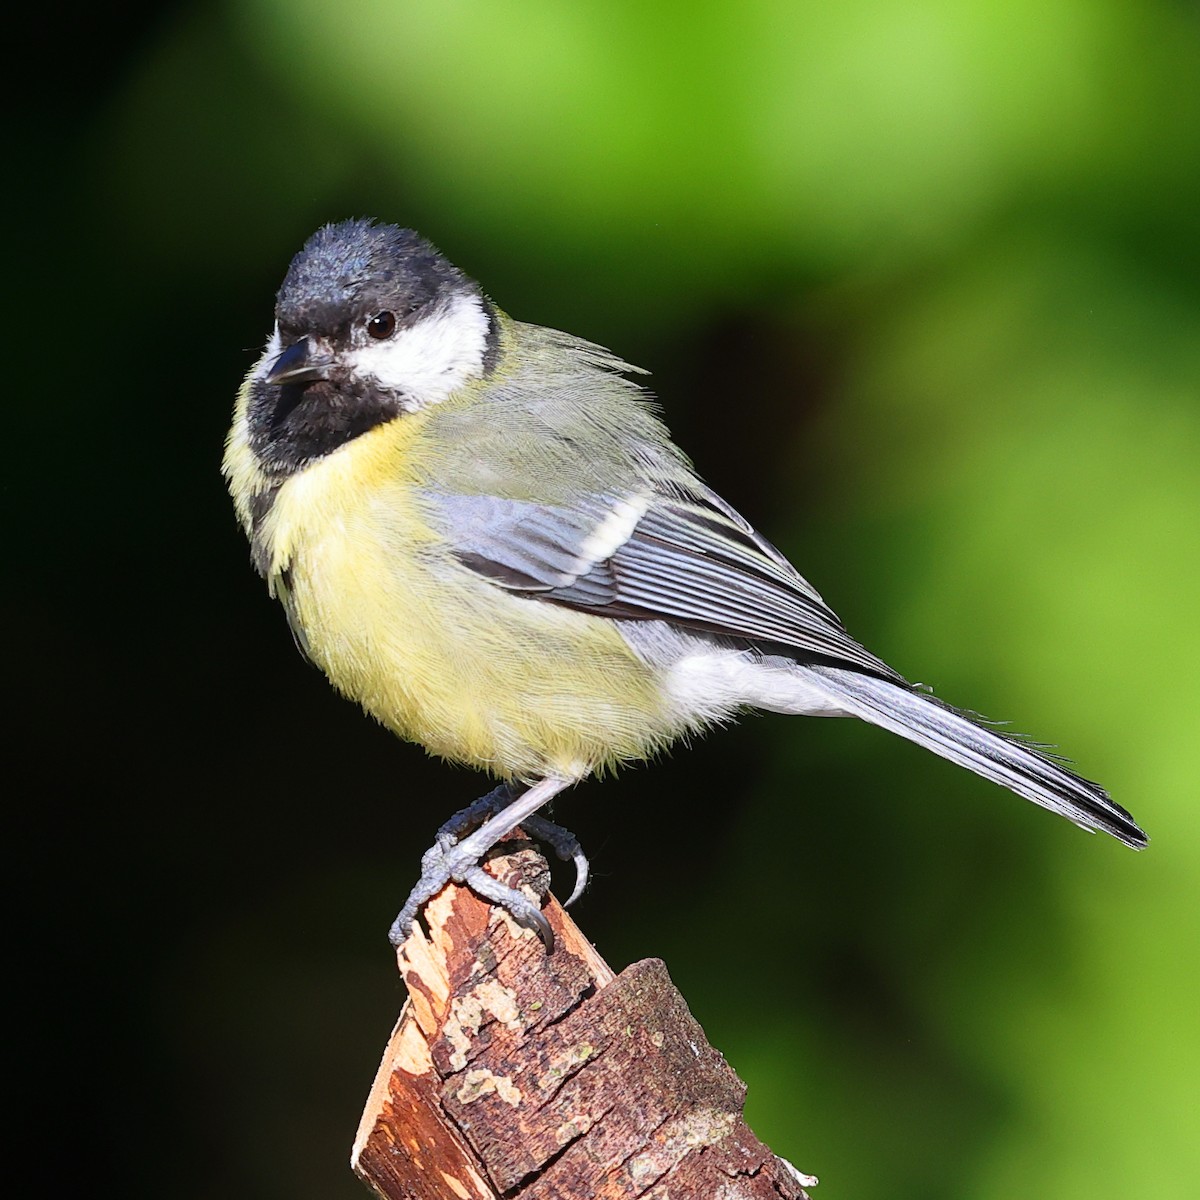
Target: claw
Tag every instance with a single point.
(581, 877)
(490, 819)
(399, 931)
(518, 905)
(566, 845)
(542, 928)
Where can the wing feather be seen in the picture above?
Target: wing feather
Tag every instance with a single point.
(668, 555)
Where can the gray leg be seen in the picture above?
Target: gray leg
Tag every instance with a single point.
(474, 815)
(450, 859)
(562, 841)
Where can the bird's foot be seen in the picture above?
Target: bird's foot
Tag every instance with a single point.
(442, 865)
(468, 819)
(463, 840)
(566, 845)
(562, 841)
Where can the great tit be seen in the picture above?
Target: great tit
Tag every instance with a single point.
(480, 531)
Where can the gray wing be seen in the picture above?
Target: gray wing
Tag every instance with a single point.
(663, 553)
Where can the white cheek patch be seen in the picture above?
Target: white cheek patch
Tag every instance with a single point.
(430, 360)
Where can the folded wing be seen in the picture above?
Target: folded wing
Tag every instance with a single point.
(671, 555)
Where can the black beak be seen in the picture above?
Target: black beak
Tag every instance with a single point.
(301, 362)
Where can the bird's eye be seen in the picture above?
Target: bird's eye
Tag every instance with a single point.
(382, 325)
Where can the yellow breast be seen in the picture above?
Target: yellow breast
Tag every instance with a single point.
(513, 685)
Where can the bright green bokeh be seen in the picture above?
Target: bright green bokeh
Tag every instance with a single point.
(977, 225)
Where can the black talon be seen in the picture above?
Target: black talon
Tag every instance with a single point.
(541, 927)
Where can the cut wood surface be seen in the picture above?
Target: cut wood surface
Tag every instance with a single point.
(527, 1076)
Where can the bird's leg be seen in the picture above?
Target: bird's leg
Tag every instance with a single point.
(471, 817)
(562, 841)
(451, 859)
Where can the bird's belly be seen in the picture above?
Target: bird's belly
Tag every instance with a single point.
(512, 685)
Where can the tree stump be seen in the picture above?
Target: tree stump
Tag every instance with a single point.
(513, 1073)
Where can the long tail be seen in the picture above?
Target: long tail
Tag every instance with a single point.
(1014, 764)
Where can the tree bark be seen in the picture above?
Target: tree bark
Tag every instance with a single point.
(517, 1074)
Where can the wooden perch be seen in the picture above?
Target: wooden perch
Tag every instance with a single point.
(517, 1074)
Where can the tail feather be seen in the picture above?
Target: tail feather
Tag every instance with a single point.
(1020, 766)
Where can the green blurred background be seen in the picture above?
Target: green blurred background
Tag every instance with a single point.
(919, 283)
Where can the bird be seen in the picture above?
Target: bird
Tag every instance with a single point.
(481, 531)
